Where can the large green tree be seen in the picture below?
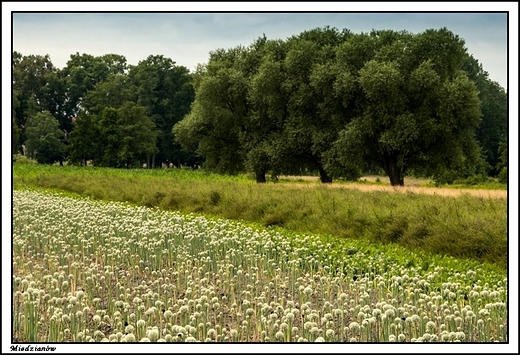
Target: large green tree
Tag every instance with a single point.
(261, 136)
(217, 115)
(166, 92)
(315, 114)
(267, 107)
(417, 109)
(84, 139)
(44, 138)
(127, 136)
(493, 100)
(33, 78)
(83, 72)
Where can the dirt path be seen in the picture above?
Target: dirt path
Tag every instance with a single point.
(407, 189)
(427, 190)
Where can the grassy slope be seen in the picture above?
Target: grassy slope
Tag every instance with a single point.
(464, 227)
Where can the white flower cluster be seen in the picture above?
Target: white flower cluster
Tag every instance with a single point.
(87, 271)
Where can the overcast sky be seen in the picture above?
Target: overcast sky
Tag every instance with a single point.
(187, 38)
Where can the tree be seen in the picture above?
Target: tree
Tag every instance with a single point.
(268, 107)
(114, 91)
(44, 138)
(15, 137)
(416, 109)
(493, 100)
(85, 143)
(315, 113)
(84, 139)
(502, 164)
(261, 136)
(166, 91)
(83, 72)
(30, 77)
(217, 115)
(54, 98)
(127, 136)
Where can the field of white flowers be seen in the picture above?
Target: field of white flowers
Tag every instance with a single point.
(87, 271)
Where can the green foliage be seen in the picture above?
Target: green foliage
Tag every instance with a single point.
(416, 106)
(84, 71)
(494, 112)
(149, 98)
(15, 137)
(324, 101)
(166, 91)
(127, 135)
(83, 139)
(464, 227)
(213, 125)
(502, 165)
(37, 87)
(44, 138)
(334, 102)
(269, 107)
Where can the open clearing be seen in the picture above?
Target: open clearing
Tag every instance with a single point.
(411, 186)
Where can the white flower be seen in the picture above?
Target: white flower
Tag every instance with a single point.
(168, 314)
(307, 290)
(354, 326)
(153, 334)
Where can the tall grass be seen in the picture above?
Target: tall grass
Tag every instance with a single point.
(463, 227)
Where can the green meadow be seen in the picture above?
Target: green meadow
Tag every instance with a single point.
(461, 226)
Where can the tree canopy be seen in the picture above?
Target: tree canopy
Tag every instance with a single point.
(44, 138)
(323, 101)
(93, 95)
(335, 102)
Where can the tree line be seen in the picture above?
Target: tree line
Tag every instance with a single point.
(333, 102)
(101, 109)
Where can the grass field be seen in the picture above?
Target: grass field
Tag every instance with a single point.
(459, 225)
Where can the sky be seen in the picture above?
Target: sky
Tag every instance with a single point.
(187, 38)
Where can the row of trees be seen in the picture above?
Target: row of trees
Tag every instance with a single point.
(100, 110)
(326, 101)
(339, 103)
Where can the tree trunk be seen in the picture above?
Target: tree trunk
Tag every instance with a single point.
(395, 174)
(395, 178)
(260, 177)
(324, 177)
